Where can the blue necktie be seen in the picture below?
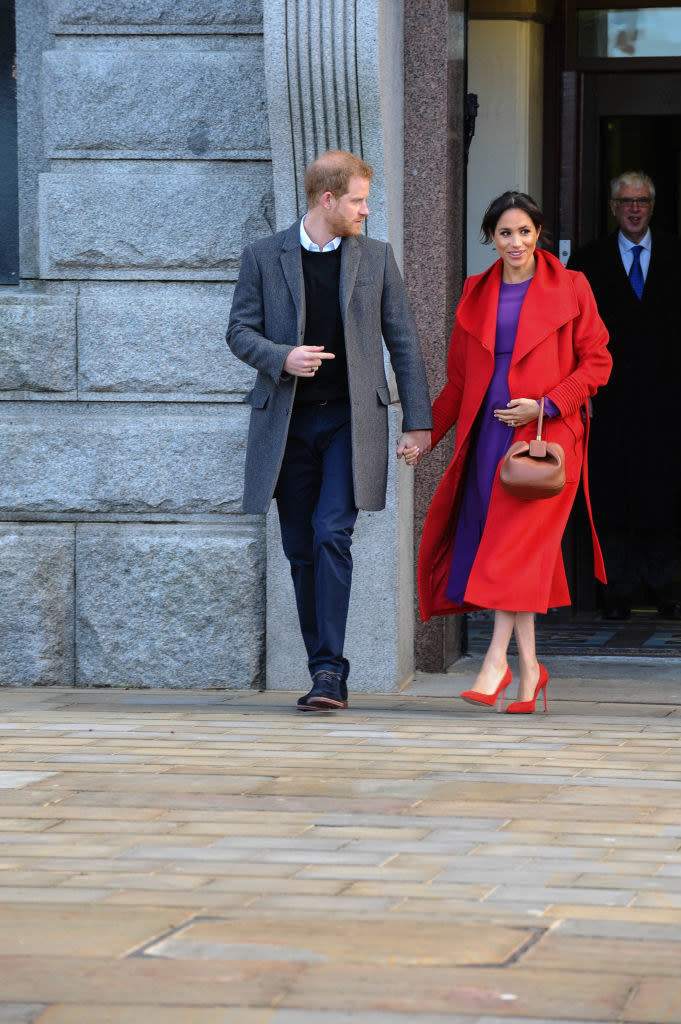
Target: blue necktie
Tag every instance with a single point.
(636, 274)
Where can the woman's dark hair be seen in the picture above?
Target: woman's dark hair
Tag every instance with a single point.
(509, 201)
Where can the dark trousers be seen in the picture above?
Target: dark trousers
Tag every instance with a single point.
(317, 517)
(634, 557)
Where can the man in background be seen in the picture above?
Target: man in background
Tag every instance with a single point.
(635, 274)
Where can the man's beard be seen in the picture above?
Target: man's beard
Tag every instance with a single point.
(343, 227)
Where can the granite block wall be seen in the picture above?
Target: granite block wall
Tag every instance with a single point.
(154, 137)
(196, 592)
(37, 341)
(189, 103)
(145, 168)
(159, 222)
(37, 599)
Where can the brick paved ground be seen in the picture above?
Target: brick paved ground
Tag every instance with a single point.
(215, 858)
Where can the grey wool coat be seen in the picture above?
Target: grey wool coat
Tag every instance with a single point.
(268, 319)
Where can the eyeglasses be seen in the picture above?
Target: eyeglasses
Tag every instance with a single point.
(630, 201)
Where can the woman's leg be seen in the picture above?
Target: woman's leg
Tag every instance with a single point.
(527, 654)
(495, 662)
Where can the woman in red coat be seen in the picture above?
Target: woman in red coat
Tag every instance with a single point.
(525, 329)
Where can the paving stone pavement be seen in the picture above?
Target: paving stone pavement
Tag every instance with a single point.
(216, 858)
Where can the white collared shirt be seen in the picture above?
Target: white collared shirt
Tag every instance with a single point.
(311, 246)
(625, 252)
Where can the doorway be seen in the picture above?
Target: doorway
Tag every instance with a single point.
(652, 143)
(612, 103)
(617, 111)
(630, 121)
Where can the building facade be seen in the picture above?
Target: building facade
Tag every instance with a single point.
(153, 141)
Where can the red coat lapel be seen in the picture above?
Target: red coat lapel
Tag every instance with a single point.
(477, 311)
(548, 305)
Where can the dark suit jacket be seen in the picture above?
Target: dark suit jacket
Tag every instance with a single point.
(636, 415)
(268, 319)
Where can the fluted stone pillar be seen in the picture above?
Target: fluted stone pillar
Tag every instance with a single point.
(334, 80)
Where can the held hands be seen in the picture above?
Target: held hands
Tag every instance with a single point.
(412, 456)
(413, 445)
(518, 412)
(305, 360)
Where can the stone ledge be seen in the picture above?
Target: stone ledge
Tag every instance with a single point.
(136, 16)
(132, 397)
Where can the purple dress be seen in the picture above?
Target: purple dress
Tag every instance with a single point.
(488, 447)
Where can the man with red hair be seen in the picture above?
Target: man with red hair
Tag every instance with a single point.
(310, 309)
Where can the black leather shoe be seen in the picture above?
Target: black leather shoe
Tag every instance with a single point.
(670, 610)
(329, 692)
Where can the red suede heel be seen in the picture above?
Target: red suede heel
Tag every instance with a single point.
(526, 707)
(489, 699)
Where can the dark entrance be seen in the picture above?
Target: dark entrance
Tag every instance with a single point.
(630, 121)
(614, 73)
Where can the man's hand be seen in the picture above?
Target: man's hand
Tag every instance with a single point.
(305, 360)
(413, 439)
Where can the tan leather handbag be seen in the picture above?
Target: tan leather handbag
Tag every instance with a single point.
(534, 470)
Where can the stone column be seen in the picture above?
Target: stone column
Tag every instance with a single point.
(434, 215)
(333, 70)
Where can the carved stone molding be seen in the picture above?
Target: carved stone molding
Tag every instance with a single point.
(326, 90)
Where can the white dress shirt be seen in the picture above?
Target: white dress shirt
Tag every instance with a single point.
(627, 257)
(311, 246)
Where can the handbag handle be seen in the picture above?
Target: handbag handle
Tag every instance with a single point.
(540, 420)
